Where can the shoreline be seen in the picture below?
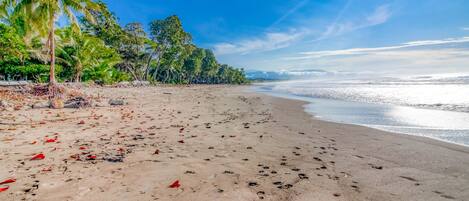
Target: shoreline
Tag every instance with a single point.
(304, 103)
(307, 103)
(220, 143)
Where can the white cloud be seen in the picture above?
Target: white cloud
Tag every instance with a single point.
(379, 16)
(270, 41)
(436, 56)
(290, 12)
(277, 40)
(361, 51)
(399, 61)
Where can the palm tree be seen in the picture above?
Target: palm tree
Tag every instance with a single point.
(5, 6)
(46, 12)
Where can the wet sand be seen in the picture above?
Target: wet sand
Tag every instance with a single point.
(219, 143)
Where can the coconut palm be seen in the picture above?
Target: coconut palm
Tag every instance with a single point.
(82, 51)
(43, 14)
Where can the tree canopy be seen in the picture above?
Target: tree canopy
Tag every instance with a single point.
(94, 47)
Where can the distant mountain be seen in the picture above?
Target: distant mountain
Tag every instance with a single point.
(284, 75)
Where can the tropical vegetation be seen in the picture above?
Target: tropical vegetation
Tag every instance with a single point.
(93, 46)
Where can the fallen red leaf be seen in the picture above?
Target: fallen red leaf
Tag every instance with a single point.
(175, 184)
(8, 181)
(4, 189)
(50, 140)
(181, 141)
(91, 157)
(82, 148)
(38, 157)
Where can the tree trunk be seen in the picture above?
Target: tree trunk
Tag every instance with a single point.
(52, 51)
(78, 73)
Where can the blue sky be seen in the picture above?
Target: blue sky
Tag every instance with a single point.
(387, 36)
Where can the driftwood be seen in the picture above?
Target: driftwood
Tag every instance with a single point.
(13, 83)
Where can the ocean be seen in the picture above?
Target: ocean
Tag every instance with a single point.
(434, 106)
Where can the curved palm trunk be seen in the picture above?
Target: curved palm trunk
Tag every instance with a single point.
(52, 51)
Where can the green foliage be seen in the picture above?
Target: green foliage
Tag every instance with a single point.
(193, 64)
(209, 67)
(135, 49)
(11, 45)
(174, 47)
(104, 74)
(80, 51)
(17, 70)
(104, 52)
(104, 26)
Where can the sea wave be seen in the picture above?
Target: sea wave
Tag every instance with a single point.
(430, 92)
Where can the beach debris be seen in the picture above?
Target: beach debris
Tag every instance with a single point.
(91, 157)
(101, 104)
(4, 188)
(181, 130)
(82, 148)
(38, 157)
(137, 83)
(77, 102)
(175, 184)
(114, 159)
(43, 104)
(156, 152)
(7, 181)
(81, 122)
(116, 102)
(56, 103)
(181, 141)
(122, 84)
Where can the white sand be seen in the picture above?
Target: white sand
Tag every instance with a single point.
(232, 139)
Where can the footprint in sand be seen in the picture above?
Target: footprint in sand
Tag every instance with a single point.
(303, 176)
(253, 184)
(261, 194)
(378, 167)
(444, 195)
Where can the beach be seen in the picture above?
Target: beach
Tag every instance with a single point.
(216, 143)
